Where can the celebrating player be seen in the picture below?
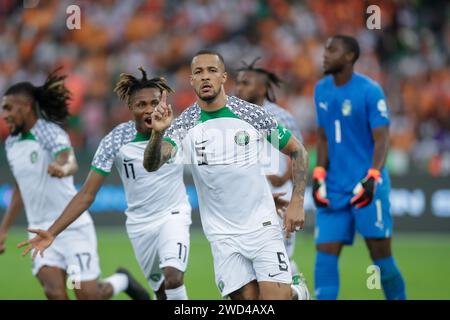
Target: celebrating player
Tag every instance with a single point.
(221, 137)
(351, 185)
(256, 85)
(43, 163)
(158, 213)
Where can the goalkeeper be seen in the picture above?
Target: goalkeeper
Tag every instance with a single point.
(350, 183)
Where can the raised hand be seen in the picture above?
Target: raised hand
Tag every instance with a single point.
(162, 116)
(39, 243)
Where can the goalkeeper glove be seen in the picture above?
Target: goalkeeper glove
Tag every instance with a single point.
(365, 189)
(319, 187)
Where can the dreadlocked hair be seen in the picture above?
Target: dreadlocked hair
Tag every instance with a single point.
(271, 78)
(51, 99)
(128, 85)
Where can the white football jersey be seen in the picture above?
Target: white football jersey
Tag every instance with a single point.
(150, 195)
(29, 156)
(225, 148)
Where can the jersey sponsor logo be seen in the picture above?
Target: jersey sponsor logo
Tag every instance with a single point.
(382, 107)
(323, 105)
(33, 156)
(127, 160)
(346, 108)
(242, 138)
(267, 223)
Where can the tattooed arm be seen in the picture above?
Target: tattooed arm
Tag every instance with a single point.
(295, 214)
(157, 152)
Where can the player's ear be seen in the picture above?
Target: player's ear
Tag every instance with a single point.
(349, 57)
(224, 77)
(191, 80)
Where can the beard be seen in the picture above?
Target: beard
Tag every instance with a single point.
(210, 98)
(252, 99)
(18, 129)
(333, 69)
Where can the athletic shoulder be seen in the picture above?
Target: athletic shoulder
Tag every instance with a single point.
(251, 113)
(284, 117)
(366, 81)
(51, 136)
(324, 83)
(185, 121)
(10, 140)
(110, 145)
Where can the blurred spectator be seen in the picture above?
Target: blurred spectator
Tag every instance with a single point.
(409, 56)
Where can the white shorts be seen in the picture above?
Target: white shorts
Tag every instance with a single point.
(259, 255)
(164, 245)
(75, 251)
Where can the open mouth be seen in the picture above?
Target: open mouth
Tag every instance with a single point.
(205, 87)
(148, 120)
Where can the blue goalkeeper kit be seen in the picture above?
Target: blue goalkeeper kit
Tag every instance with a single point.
(348, 114)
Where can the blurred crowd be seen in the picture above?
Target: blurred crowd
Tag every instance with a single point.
(409, 56)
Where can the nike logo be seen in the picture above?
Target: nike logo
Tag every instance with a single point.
(171, 258)
(198, 143)
(127, 160)
(274, 275)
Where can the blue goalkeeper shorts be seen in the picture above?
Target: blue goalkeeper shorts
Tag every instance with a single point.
(340, 225)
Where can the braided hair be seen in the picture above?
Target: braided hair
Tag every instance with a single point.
(128, 85)
(271, 79)
(51, 99)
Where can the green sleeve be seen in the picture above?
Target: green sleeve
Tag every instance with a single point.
(279, 137)
(103, 173)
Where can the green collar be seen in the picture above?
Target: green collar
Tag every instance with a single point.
(223, 112)
(27, 136)
(141, 137)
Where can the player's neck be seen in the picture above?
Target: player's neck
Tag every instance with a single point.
(218, 103)
(29, 123)
(342, 77)
(260, 102)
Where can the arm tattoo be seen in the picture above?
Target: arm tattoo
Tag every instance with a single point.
(299, 171)
(157, 152)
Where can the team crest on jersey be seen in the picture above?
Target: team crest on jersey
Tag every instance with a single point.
(155, 277)
(221, 285)
(346, 108)
(242, 138)
(33, 156)
(382, 107)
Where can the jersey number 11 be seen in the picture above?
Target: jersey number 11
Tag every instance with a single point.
(130, 165)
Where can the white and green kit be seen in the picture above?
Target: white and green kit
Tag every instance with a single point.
(224, 149)
(158, 212)
(45, 198)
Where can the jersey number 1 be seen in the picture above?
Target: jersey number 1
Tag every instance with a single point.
(337, 131)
